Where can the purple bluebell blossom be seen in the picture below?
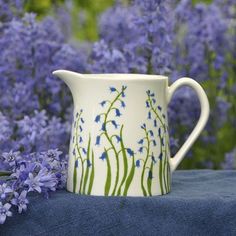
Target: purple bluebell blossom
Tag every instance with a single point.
(137, 163)
(20, 201)
(103, 156)
(97, 118)
(5, 190)
(98, 139)
(130, 152)
(117, 111)
(4, 212)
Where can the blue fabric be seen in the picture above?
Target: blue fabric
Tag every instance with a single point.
(201, 203)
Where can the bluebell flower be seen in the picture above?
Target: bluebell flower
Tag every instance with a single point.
(162, 142)
(147, 104)
(89, 163)
(80, 128)
(76, 163)
(151, 133)
(154, 142)
(84, 150)
(152, 94)
(73, 152)
(150, 176)
(77, 114)
(98, 138)
(82, 120)
(143, 126)
(159, 131)
(115, 124)
(103, 103)
(81, 110)
(112, 89)
(155, 123)
(4, 209)
(160, 156)
(130, 151)
(154, 100)
(148, 92)
(140, 149)
(118, 138)
(159, 108)
(153, 159)
(80, 139)
(117, 112)
(149, 115)
(137, 164)
(103, 156)
(140, 141)
(97, 119)
(4, 190)
(163, 115)
(122, 104)
(20, 201)
(103, 127)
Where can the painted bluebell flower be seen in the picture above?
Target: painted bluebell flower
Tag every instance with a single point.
(154, 100)
(98, 139)
(103, 103)
(143, 126)
(150, 176)
(76, 163)
(137, 163)
(154, 142)
(117, 112)
(103, 127)
(114, 123)
(159, 131)
(4, 212)
(147, 104)
(80, 139)
(140, 150)
(140, 141)
(159, 108)
(80, 128)
(149, 115)
(103, 156)
(122, 104)
(162, 142)
(163, 115)
(118, 138)
(4, 190)
(97, 118)
(89, 163)
(77, 114)
(160, 156)
(73, 152)
(151, 133)
(130, 152)
(84, 151)
(20, 201)
(81, 110)
(153, 159)
(82, 120)
(148, 92)
(112, 89)
(155, 123)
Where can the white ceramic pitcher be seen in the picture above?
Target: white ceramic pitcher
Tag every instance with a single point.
(119, 141)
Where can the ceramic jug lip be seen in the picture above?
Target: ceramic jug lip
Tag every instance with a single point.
(115, 76)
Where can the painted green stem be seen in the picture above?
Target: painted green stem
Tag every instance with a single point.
(88, 168)
(108, 179)
(149, 182)
(160, 170)
(91, 178)
(125, 162)
(129, 178)
(145, 163)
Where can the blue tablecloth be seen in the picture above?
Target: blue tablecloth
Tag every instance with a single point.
(201, 203)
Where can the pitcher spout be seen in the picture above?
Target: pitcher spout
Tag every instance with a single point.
(69, 77)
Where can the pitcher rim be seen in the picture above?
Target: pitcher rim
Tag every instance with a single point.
(116, 76)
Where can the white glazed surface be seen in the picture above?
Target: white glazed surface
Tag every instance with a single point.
(88, 92)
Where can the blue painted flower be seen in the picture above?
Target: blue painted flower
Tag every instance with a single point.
(89, 163)
(155, 123)
(151, 133)
(118, 138)
(130, 152)
(143, 126)
(147, 104)
(84, 151)
(163, 115)
(149, 115)
(153, 159)
(159, 132)
(77, 114)
(117, 112)
(103, 127)
(148, 92)
(103, 103)
(112, 89)
(80, 139)
(103, 156)
(154, 100)
(160, 156)
(162, 142)
(82, 120)
(76, 163)
(122, 104)
(159, 108)
(150, 176)
(115, 124)
(97, 119)
(140, 141)
(80, 128)
(98, 138)
(73, 152)
(137, 164)
(154, 142)
(140, 150)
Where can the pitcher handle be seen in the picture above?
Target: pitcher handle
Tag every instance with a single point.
(205, 110)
